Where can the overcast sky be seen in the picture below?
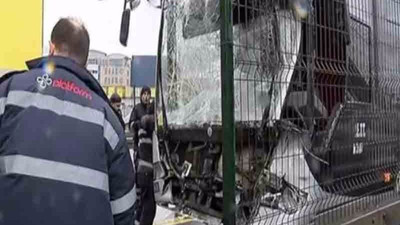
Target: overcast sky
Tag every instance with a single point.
(103, 19)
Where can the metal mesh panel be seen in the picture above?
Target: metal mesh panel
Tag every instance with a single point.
(328, 138)
(316, 107)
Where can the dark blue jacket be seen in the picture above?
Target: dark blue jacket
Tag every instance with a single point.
(63, 152)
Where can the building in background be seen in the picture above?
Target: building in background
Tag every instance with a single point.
(118, 73)
(95, 59)
(112, 71)
(115, 76)
(94, 70)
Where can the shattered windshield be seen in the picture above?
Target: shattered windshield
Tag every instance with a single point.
(265, 51)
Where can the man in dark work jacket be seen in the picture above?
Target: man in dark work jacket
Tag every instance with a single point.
(142, 125)
(63, 153)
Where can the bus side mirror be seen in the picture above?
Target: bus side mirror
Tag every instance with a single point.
(124, 32)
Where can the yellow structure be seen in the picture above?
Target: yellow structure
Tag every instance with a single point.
(122, 91)
(21, 36)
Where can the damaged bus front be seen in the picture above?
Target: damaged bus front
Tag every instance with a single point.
(267, 45)
(315, 105)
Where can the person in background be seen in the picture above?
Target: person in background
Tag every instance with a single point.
(141, 124)
(116, 103)
(64, 158)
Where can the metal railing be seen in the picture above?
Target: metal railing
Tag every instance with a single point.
(302, 96)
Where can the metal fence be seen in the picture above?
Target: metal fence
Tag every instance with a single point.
(315, 104)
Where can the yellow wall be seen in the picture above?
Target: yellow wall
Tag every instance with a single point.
(21, 32)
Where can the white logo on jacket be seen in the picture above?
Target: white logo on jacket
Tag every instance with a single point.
(44, 81)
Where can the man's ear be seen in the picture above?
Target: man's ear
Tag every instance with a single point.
(52, 48)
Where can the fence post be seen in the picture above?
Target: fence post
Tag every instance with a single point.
(228, 120)
(376, 30)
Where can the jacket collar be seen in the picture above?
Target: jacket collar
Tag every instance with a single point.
(70, 65)
(62, 62)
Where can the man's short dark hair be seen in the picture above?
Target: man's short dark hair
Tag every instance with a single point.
(71, 38)
(115, 98)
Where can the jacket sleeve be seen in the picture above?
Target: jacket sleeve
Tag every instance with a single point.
(134, 125)
(134, 120)
(5, 81)
(4, 89)
(121, 174)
